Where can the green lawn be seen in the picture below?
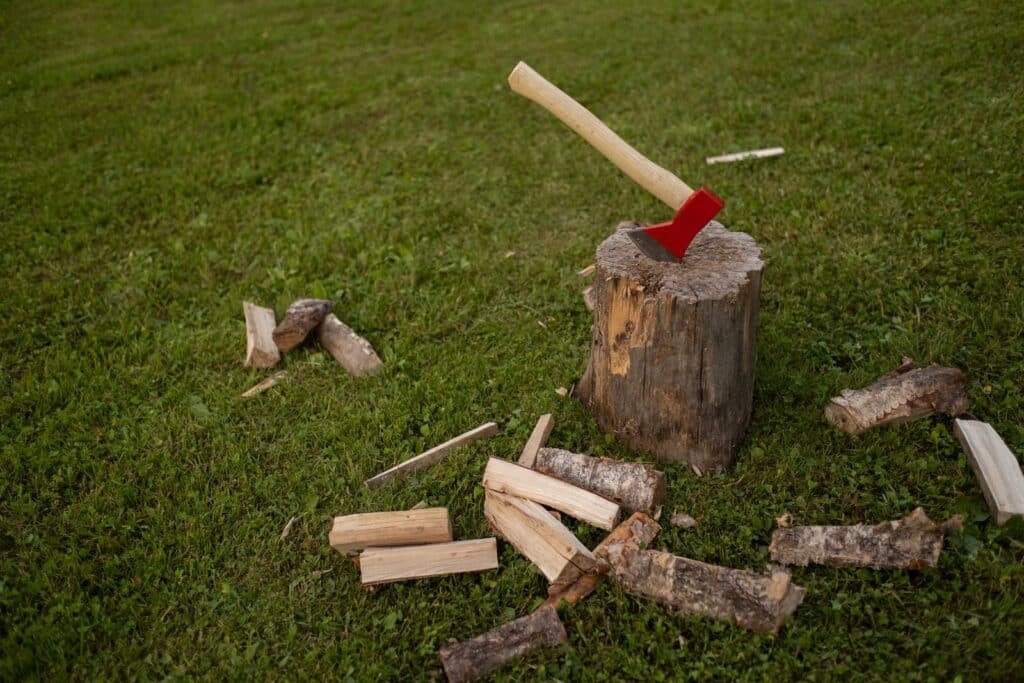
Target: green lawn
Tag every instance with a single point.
(158, 165)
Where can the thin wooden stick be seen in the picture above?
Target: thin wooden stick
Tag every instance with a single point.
(433, 456)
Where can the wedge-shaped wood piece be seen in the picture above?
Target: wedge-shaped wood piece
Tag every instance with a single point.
(907, 393)
(997, 470)
(508, 477)
(909, 543)
(387, 565)
(538, 536)
(634, 486)
(474, 659)
(433, 456)
(350, 350)
(636, 532)
(260, 349)
(382, 529)
(265, 384)
(300, 319)
(537, 440)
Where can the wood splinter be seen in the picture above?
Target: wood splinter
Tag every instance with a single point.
(265, 384)
(260, 349)
(476, 658)
(432, 456)
(299, 320)
(909, 543)
(634, 486)
(996, 468)
(907, 393)
(537, 439)
(350, 350)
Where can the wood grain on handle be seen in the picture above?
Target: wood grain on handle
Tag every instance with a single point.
(653, 178)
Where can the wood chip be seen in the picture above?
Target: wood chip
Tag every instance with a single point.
(996, 468)
(433, 456)
(588, 271)
(562, 391)
(265, 384)
(683, 520)
(588, 297)
(752, 154)
(287, 528)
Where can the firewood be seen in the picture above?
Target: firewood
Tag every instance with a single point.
(260, 349)
(353, 352)
(537, 440)
(538, 536)
(637, 531)
(433, 456)
(996, 468)
(265, 384)
(909, 543)
(379, 529)
(299, 320)
(474, 659)
(508, 477)
(634, 486)
(387, 565)
(907, 393)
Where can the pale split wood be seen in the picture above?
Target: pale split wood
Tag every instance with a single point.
(264, 384)
(538, 536)
(913, 542)
(388, 565)
(476, 658)
(997, 470)
(634, 486)
(354, 353)
(432, 456)
(260, 349)
(537, 439)
(380, 529)
(907, 393)
(300, 319)
(740, 156)
(516, 480)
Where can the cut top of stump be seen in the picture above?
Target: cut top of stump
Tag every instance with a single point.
(717, 263)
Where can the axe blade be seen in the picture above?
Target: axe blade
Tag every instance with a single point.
(668, 241)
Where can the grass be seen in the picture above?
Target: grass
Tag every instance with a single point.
(161, 162)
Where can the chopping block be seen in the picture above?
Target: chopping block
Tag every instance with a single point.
(671, 367)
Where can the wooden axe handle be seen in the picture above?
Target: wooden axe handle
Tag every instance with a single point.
(653, 178)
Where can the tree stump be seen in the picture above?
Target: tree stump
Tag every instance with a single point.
(671, 369)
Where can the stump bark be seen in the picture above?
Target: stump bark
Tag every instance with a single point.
(671, 368)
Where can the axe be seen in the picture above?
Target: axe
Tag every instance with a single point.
(664, 241)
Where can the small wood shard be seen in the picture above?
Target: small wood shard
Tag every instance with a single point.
(287, 528)
(907, 393)
(299, 320)
(682, 520)
(260, 349)
(909, 543)
(433, 456)
(350, 350)
(588, 298)
(537, 440)
(508, 477)
(562, 391)
(388, 565)
(384, 529)
(265, 384)
(997, 470)
(538, 537)
(588, 271)
(419, 506)
(474, 659)
(634, 486)
(740, 156)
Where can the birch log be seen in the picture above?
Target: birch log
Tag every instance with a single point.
(909, 543)
(350, 350)
(907, 393)
(634, 486)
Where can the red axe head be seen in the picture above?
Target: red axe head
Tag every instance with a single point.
(668, 241)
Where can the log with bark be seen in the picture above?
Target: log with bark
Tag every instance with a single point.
(634, 486)
(260, 349)
(300, 319)
(907, 393)
(909, 543)
(476, 658)
(671, 367)
(350, 350)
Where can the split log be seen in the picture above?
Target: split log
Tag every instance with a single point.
(260, 349)
(538, 536)
(671, 367)
(474, 659)
(910, 543)
(387, 565)
(299, 320)
(433, 456)
(907, 393)
(265, 384)
(380, 529)
(352, 351)
(634, 486)
(996, 468)
(636, 532)
(537, 440)
(508, 477)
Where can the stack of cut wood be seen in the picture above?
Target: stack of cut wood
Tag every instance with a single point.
(409, 544)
